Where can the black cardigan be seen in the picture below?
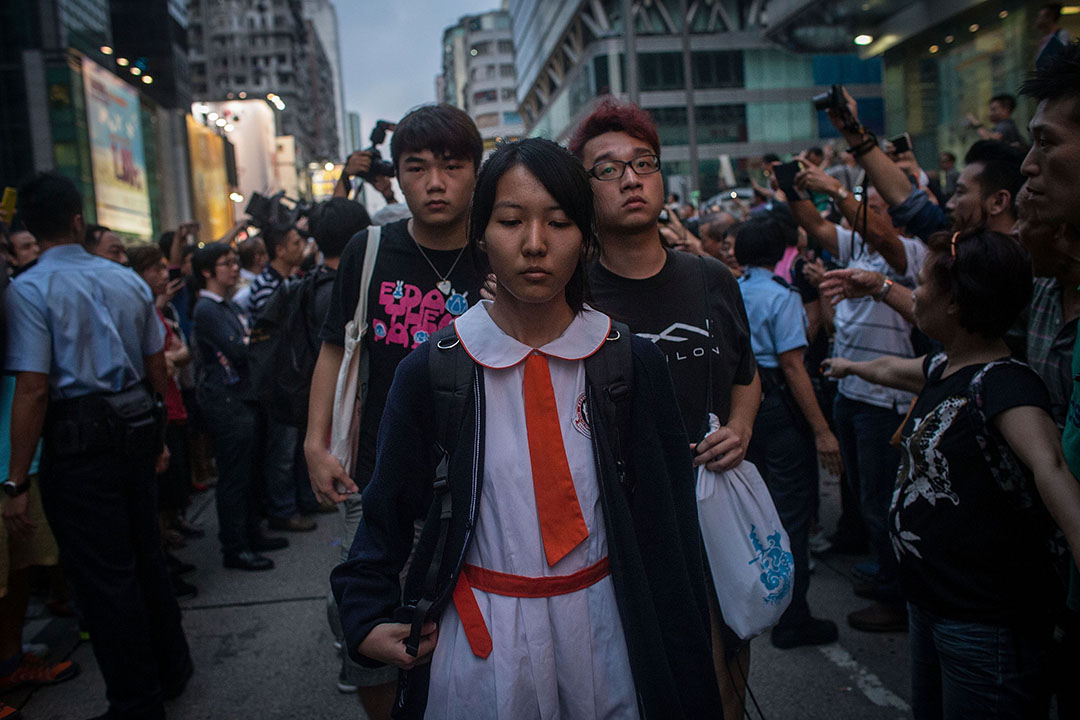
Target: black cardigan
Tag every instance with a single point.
(653, 537)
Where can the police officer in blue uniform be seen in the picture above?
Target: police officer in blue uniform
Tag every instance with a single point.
(790, 428)
(86, 347)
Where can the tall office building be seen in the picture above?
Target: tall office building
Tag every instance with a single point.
(35, 36)
(323, 16)
(355, 136)
(716, 88)
(241, 49)
(479, 74)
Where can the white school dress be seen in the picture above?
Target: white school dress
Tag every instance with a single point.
(552, 657)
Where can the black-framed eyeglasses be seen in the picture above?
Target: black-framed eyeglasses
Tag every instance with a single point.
(615, 169)
(227, 263)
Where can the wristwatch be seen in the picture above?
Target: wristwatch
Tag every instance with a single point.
(885, 288)
(13, 490)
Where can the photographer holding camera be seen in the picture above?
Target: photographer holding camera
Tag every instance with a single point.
(985, 192)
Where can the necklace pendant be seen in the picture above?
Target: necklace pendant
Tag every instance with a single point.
(444, 286)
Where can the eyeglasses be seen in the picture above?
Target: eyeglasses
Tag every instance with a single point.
(615, 169)
(227, 263)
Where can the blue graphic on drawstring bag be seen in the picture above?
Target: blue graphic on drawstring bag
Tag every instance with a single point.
(777, 566)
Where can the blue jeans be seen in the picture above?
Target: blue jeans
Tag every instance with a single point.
(870, 465)
(962, 670)
(783, 451)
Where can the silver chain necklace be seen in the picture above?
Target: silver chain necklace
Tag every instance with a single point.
(444, 282)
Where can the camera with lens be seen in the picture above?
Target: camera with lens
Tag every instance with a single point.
(831, 100)
(379, 167)
(272, 212)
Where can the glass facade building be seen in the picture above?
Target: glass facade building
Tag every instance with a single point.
(746, 97)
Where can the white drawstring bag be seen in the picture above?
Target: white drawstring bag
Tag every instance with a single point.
(748, 550)
(351, 388)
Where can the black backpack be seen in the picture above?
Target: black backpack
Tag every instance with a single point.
(609, 372)
(284, 347)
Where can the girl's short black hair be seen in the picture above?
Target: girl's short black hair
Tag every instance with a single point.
(989, 278)
(760, 242)
(563, 176)
(205, 258)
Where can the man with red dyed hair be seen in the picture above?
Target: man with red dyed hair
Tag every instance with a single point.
(690, 307)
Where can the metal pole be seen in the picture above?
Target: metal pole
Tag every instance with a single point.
(631, 51)
(688, 84)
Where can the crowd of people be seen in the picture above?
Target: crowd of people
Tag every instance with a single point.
(511, 382)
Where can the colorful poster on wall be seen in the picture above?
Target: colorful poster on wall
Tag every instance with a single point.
(209, 185)
(116, 151)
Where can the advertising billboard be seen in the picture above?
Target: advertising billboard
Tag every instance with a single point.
(116, 152)
(209, 186)
(249, 125)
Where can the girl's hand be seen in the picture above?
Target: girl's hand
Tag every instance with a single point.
(386, 643)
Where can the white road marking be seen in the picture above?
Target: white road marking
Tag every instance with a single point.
(867, 682)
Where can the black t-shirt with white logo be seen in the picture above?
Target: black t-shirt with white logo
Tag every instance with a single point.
(669, 308)
(405, 306)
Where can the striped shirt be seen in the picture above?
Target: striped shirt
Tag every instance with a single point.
(262, 288)
(866, 329)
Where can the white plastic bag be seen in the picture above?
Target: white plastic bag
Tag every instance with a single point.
(748, 550)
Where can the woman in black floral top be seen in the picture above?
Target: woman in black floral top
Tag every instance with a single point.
(981, 484)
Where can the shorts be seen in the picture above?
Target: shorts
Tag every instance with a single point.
(38, 549)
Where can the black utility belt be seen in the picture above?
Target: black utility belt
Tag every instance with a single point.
(131, 421)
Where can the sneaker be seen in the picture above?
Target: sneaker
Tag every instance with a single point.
(9, 713)
(39, 649)
(35, 671)
(178, 566)
(345, 684)
(182, 589)
(188, 529)
(295, 523)
(815, 631)
(819, 544)
(879, 617)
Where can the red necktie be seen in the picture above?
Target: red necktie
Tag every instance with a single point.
(561, 523)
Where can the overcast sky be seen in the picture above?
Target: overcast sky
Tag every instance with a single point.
(391, 52)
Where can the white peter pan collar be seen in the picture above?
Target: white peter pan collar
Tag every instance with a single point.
(488, 345)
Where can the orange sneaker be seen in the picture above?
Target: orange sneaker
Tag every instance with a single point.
(36, 671)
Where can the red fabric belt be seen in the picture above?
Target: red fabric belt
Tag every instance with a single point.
(478, 578)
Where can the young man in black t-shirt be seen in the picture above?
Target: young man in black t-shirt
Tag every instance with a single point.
(422, 279)
(689, 306)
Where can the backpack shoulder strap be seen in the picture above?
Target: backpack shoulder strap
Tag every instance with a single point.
(610, 372)
(451, 372)
(1004, 466)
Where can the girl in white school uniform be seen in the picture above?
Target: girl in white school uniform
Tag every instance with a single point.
(568, 579)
